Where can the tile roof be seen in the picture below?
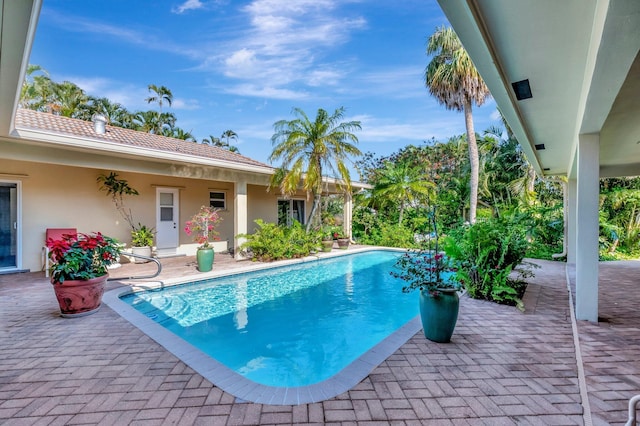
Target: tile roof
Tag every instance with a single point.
(34, 120)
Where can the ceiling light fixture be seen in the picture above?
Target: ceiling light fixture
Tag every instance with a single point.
(522, 89)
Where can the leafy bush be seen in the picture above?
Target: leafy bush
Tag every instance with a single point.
(485, 254)
(274, 242)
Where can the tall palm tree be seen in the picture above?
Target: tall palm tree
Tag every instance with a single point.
(162, 94)
(455, 82)
(308, 149)
(227, 135)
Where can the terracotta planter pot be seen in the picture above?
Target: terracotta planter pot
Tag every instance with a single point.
(343, 243)
(78, 298)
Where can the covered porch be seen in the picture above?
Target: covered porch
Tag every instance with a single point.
(566, 77)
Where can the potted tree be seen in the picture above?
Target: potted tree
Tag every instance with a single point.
(202, 228)
(79, 270)
(141, 242)
(426, 269)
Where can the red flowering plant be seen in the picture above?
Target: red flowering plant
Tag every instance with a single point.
(202, 226)
(426, 268)
(81, 256)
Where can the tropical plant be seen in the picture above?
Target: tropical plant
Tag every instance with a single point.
(161, 94)
(401, 185)
(117, 188)
(142, 236)
(310, 148)
(202, 226)
(485, 254)
(28, 90)
(227, 135)
(81, 256)
(272, 242)
(454, 81)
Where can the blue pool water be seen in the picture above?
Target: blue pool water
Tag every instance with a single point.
(289, 326)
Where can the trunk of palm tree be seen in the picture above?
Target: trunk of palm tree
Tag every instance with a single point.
(314, 210)
(401, 213)
(473, 160)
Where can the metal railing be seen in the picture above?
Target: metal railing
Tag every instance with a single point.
(141, 277)
(632, 410)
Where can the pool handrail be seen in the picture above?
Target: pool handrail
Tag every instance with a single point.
(141, 277)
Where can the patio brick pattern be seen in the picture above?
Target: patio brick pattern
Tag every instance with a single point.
(503, 367)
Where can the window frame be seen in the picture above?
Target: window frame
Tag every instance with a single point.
(223, 199)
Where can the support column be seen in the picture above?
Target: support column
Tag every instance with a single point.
(240, 215)
(588, 189)
(571, 215)
(347, 214)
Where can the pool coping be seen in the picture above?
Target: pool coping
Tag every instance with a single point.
(239, 386)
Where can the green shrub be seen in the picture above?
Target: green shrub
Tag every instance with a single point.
(273, 242)
(485, 254)
(396, 236)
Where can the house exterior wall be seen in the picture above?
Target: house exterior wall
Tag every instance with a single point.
(261, 205)
(56, 196)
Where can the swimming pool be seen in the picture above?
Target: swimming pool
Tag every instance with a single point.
(306, 327)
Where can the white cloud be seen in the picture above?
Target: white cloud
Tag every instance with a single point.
(284, 45)
(188, 5)
(267, 92)
(185, 104)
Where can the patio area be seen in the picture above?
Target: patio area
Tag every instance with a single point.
(503, 367)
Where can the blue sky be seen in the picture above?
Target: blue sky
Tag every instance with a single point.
(243, 65)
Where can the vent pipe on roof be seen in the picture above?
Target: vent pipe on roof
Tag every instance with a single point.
(100, 124)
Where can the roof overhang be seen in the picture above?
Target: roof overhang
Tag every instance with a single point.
(18, 21)
(581, 61)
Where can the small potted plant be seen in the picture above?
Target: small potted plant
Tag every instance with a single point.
(341, 238)
(141, 242)
(202, 228)
(79, 270)
(327, 240)
(427, 269)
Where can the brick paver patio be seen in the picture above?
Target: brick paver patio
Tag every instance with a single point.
(503, 367)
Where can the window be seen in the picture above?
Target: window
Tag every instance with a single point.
(218, 199)
(288, 210)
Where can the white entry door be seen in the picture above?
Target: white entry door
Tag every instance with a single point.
(167, 226)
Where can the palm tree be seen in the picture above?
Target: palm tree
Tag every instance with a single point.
(69, 98)
(213, 141)
(454, 81)
(402, 185)
(230, 134)
(27, 92)
(162, 94)
(308, 148)
(145, 121)
(179, 133)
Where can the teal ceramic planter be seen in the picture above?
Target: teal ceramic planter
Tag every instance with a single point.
(439, 314)
(204, 256)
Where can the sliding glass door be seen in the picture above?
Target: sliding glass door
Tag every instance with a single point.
(8, 225)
